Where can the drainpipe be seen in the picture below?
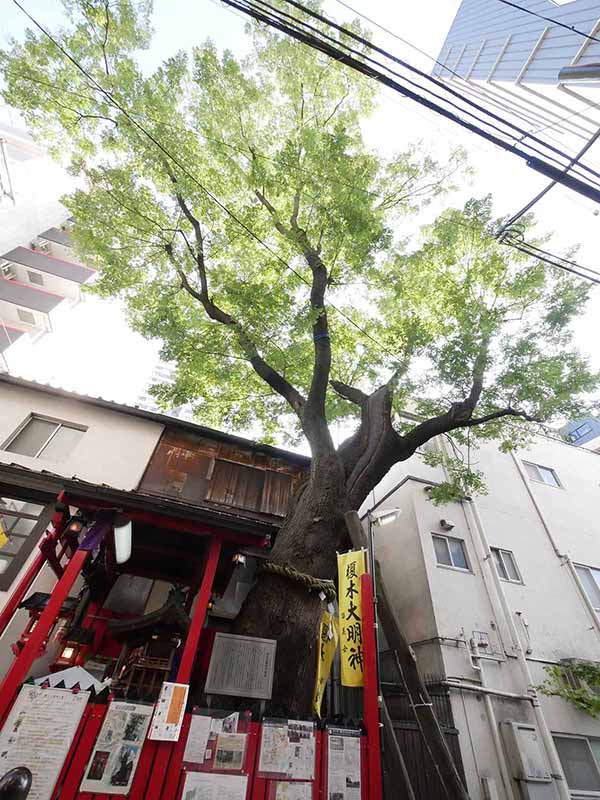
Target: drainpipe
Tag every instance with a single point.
(564, 558)
(502, 610)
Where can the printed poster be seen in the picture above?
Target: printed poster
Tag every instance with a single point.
(38, 734)
(195, 746)
(212, 786)
(350, 567)
(114, 760)
(284, 790)
(241, 666)
(169, 712)
(343, 764)
(288, 749)
(327, 645)
(229, 751)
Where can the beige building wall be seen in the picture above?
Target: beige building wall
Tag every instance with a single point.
(113, 451)
(543, 526)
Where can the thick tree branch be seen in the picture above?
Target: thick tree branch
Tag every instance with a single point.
(315, 405)
(349, 393)
(262, 368)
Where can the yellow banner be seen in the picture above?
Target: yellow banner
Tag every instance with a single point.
(350, 567)
(327, 645)
(3, 536)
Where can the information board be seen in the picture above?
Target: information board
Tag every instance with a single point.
(38, 734)
(112, 766)
(287, 749)
(213, 786)
(241, 666)
(169, 712)
(343, 764)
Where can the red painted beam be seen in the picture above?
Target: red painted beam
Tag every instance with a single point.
(21, 589)
(371, 687)
(21, 665)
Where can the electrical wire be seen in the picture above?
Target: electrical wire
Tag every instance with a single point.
(571, 28)
(553, 183)
(279, 21)
(478, 89)
(108, 95)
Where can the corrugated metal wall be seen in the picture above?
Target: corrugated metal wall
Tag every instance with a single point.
(200, 470)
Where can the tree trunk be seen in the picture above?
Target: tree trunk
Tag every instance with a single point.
(279, 608)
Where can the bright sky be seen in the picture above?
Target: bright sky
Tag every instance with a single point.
(97, 353)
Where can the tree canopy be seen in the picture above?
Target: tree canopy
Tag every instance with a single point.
(236, 208)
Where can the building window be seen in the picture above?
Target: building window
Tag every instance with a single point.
(26, 316)
(542, 474)
(22, 522)
(506, 565)
(580, 758)
(590, 577)
(35, 277)
(450, 552)
(45, 438)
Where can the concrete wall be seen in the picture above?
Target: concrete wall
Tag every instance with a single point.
(451, 606)
(114, 449)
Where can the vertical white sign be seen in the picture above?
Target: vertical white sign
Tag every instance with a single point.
(38, 734)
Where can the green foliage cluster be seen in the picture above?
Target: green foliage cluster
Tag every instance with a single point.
(586, 696)
(270, 158)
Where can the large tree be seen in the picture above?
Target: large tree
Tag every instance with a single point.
(235, 207)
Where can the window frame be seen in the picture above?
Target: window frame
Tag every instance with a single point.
(59, 423)
(17, 562)
(541, 479)
(589, 568)
(464, 551)
(27, 312)
(591, 793)
(502, 551)
(36, 274)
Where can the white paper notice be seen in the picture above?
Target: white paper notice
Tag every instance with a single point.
(241, 666)
(38, 734)
(112, 767)
(288, 749)
(343, 765)
(293, 791)
(169, 712)
(212, 786)
(195, 747)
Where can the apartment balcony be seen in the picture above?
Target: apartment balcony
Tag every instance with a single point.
(26, 296)
(58, 267)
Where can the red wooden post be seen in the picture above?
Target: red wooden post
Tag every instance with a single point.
(186, 664)
(164, 750)
(371, 687)
(21, 589)
(22, 663)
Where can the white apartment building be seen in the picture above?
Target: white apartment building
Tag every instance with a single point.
(40, 278)
(540, 68)
(491, 590)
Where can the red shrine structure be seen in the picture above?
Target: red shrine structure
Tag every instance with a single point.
(207, 503)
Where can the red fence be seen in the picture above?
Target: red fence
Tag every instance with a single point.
(161, 772)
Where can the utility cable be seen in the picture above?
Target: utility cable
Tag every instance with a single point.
(571, 28)
(108, 95)
(547, 188)
(532, 161)
(440, 84)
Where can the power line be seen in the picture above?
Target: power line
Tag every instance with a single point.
(558, 262)
(553, 183)
(317, 42)
(453, 72)
(571, 28)
(176, 161)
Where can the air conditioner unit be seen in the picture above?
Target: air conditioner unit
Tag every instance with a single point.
(8, 271)
(42, 246)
